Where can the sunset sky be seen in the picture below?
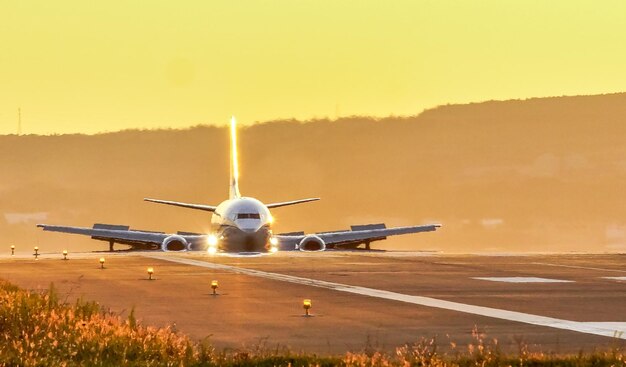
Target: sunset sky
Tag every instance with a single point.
(87, 66)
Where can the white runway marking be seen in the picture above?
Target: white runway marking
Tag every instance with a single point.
(623, 279)
(522, 280)
(580, 267)
(580, 327)
(619, 327)
(398, 253)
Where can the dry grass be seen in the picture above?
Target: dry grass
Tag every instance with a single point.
(36, 329)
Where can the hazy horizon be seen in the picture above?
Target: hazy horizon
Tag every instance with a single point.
(543, 174)
(244, 124)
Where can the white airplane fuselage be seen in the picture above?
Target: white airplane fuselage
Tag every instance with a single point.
(242, 225)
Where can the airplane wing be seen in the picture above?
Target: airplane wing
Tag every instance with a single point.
(293, 202)
(124, 235)
(354, 237)
(208, 208)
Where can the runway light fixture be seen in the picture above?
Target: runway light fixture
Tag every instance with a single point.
(273, 249)
(150, 272)
(102, 263)
(36, 254)
(12, 250)
(306, 304)
(214, 286)
(64, 254)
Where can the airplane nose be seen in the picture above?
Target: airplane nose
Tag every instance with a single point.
(247, 230)
(249, 227)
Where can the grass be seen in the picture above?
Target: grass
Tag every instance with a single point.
(37, 329)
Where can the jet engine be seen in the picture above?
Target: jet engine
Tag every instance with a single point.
(312, 243)
(174, 243)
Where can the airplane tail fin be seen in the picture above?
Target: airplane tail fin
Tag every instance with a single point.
(234, 162)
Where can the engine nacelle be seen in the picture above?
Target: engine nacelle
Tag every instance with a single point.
(312, 243)
(174, 243)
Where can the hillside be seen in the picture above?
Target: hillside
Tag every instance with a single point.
(543, 174)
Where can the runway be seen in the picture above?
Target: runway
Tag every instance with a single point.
(558, 303)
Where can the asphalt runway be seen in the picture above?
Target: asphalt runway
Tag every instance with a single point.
(552, 303)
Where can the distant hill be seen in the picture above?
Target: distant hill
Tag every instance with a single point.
(546, 174)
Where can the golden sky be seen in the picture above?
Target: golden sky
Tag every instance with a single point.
(90, 66)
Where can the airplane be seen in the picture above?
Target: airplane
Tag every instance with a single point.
(238, 225)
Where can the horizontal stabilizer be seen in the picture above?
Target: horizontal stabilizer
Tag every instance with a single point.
(207, 208)
(285, 203)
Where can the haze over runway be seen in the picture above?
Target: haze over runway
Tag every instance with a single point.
(422, 295)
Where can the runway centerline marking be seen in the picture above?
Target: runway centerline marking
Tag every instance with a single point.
(579, 267)
(523, 280)
(581, 327)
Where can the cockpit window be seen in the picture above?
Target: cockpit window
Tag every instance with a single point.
(248, 216)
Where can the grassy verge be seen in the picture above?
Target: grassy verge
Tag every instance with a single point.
(36, 329)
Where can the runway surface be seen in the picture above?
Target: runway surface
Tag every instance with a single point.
(554, 303)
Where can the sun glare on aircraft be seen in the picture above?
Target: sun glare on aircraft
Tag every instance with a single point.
(212, 242)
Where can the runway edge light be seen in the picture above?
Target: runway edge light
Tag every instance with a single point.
(12, 250)
(36, 254)
(307, 306)
(64, 254)
(150, 272)
(102, 263)
(214, 285)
